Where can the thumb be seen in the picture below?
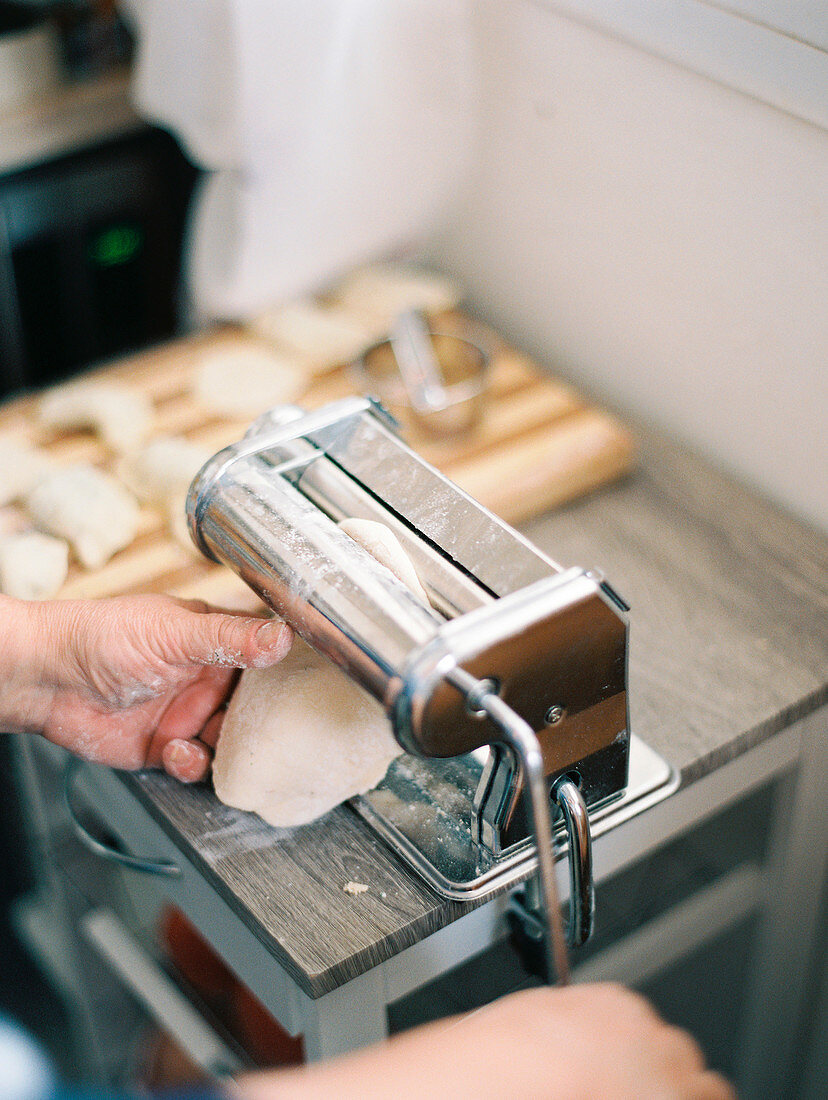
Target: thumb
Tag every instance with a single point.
(227, 641)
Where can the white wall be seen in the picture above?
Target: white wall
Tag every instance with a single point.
(656, 236)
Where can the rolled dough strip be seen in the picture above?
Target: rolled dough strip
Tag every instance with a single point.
(298, 739)
(382, 544)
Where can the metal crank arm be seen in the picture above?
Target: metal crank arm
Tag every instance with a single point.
(483, 701)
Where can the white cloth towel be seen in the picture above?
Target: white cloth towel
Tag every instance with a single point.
(332, 130)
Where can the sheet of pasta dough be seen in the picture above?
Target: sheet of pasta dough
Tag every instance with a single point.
(300, 738)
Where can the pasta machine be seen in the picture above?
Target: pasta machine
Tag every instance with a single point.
(508, 693)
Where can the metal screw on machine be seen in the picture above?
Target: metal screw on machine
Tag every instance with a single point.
(554, 715)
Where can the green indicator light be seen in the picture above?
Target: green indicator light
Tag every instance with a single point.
(116, 245)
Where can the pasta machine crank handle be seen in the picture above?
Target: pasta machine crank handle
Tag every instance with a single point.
(482, 701)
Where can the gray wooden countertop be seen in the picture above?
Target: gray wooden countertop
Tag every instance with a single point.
(729, 645)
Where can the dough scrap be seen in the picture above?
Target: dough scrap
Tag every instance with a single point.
(245, 380)
(382, 291)
(298, 739)
(21, 467)
(163, 469)
(382, 544)
(325, 336)
(88, 508)
(32, 566)
(121, 417)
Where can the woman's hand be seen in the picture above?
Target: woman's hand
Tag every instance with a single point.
(585, 1042)
(135, 681)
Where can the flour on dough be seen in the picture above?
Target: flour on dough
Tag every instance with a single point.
(88, 508)
(245, 380)
(300, 738)
(382, 544)
(163, 469)
(32, 566)
(121, 417)
(21, 467)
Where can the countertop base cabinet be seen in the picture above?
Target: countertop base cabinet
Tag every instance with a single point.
(740, 853)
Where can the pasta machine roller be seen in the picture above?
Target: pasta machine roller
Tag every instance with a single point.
(508, 693)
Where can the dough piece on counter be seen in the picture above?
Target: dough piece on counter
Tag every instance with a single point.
(21, 467)
(326, 337)
(380, 292)
(246, 380)
(88, 508)
(300, 738)
(163, 469)
(382, 544)
(32, 566)
(121, 417)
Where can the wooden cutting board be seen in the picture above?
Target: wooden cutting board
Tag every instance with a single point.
(538, 444)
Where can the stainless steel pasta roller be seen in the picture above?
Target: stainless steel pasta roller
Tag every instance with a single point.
(508, 692)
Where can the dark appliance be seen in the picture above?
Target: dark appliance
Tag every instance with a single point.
(90, 248)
